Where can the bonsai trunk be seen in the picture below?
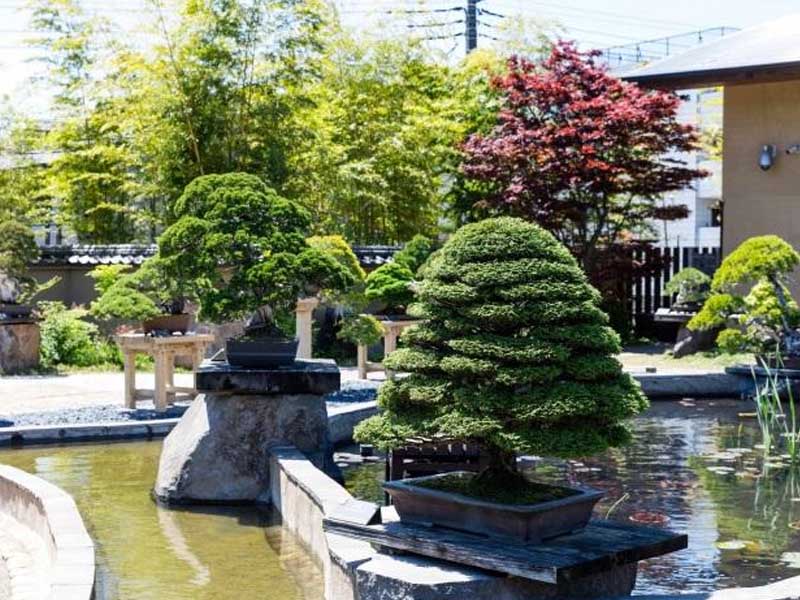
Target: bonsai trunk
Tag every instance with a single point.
(262, 324)
(501, 471)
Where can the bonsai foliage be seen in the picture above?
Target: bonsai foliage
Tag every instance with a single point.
(17, 250)
(515, 352)
(390, 285)
(361, 329)
(239, 247)
(690, 285)
(750, 287)
(414, 254)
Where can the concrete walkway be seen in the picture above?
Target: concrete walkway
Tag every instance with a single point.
(28, 394)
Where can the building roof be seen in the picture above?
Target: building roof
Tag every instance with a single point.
(766, 52)
(135, 254)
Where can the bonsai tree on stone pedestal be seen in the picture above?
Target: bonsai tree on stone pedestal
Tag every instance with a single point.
(242, 250)
(514, 354)
(751, 303)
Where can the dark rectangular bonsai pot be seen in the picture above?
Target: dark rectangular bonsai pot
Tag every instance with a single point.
(261, 353)
(528, 523)
(172, 323)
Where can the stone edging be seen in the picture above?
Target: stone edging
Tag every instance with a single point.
(341, 421)
(303, 495)
(691, 385)
(51, 513)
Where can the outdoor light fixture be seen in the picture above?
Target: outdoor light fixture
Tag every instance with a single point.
(767, 156)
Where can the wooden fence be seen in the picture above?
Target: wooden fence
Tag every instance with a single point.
(647, 293)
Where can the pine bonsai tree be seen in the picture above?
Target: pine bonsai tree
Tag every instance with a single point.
(514, 354)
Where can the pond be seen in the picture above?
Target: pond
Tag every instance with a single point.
(696, 468)
(147, 552)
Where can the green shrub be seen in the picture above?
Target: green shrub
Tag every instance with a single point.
(361, 329)
(239, 247)
(391, 286)
(414, 254)
(751, 286)
(691, 286)
(519, 359)
(66, 339)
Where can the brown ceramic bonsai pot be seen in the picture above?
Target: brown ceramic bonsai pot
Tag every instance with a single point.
(529, 523)
(259, 353)
(171, 323)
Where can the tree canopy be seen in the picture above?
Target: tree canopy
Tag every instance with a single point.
(514, 353)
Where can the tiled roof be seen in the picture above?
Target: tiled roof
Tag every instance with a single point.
(135, 254)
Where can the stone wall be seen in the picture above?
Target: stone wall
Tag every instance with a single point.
(303, 496)
(51, 514)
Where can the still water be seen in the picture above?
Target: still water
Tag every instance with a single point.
(695, 468)
(147, 552)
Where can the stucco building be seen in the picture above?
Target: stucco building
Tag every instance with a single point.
(759, 70)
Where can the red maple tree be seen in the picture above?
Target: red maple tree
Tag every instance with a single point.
(583, 153)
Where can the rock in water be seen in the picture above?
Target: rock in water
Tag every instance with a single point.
(218, 452)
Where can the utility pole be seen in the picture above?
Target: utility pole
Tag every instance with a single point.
(471, 33)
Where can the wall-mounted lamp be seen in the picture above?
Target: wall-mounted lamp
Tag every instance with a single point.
(767, 156)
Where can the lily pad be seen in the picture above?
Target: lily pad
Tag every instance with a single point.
(733, 545)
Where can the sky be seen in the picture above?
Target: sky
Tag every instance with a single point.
(599, 24)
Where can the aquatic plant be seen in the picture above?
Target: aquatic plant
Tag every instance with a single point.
(780, 430)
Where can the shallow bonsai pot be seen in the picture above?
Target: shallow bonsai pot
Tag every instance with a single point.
(261, 353)
(530, 523)
(171, 323)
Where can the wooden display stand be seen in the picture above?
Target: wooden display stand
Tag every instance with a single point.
(163, 350)
(392, 330)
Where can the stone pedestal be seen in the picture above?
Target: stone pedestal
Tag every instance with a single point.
(19, 346)
(218, 452)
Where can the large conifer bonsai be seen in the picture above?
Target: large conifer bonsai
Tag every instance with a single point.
(515, 354)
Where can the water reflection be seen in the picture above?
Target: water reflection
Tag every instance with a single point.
(147, 552)
(739, 515)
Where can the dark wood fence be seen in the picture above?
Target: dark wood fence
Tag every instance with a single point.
(647, 293)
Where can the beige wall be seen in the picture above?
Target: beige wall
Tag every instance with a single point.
(761, 202)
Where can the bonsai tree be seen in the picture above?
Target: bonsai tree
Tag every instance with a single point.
(750, 288)
(241, 250)
(514, 354)
(690, 285)
(392, 284)
(138, 295)
(17, 250)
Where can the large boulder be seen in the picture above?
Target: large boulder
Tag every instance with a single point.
(218, 452)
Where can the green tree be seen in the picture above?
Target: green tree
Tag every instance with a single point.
(515, 353)
(376, 140)
(89, 177)
(241, 248)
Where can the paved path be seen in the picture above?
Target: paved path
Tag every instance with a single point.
(24, 394)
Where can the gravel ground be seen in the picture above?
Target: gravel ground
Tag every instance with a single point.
(352, 391)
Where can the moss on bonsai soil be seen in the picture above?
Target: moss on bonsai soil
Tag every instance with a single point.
(519, 492)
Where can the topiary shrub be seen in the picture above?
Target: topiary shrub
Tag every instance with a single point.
(391, 286)
(690, 285)
(515, 353)
(750, 287)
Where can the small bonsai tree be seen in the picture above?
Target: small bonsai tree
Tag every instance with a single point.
(138, 295)
(515, 354)
(17, 250)
(392, 284)
(241, 249)
(750, 287)
(690, 285)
